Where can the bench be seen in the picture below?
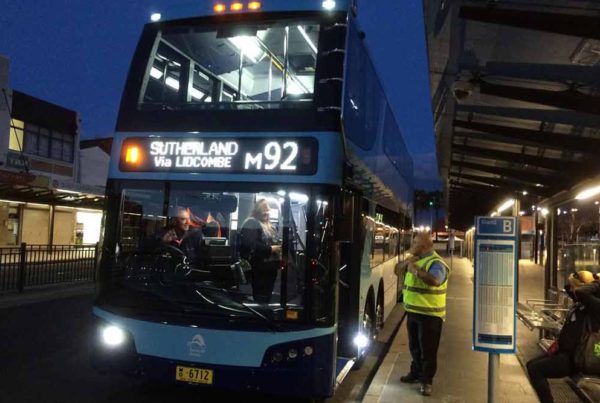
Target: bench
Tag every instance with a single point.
(586, 387)
(548, 316)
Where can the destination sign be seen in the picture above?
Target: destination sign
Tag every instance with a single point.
(279, 156)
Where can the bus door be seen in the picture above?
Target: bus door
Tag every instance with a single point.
(349, 242)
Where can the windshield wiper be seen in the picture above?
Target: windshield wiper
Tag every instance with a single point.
(272, 325)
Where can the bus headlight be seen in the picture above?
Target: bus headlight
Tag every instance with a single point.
(361, 341)
(113, 336)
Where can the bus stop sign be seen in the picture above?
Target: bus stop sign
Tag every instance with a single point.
(495, 280)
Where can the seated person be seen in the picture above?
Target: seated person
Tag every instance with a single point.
(558, 362)
(179, 234)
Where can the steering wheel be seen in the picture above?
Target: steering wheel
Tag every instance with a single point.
(173, 262)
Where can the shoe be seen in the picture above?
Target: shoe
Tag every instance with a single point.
(409, 378)
(426, 389)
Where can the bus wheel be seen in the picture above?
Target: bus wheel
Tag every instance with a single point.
(379, 314)
(367, 334)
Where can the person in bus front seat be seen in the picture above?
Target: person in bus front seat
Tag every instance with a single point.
(258, 238)
(180, 235)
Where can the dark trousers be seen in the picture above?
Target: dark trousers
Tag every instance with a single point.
(424, 334)
(263, 281)
(543, 367)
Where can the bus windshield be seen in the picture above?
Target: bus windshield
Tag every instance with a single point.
(234, 66)
(184, 248)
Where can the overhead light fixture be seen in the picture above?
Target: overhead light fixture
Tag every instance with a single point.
(173, 83)
(506, 205)
(574, 210)
(156, 73)
(525, 193)
(294, 89)
(68, 191)
(545, 212)
(587, 193)
(254, 5)
(249, 46)
(597, 202)
(155, 17)
(236, 6)
(11, 201)
(219, 8)
(298, 197)
(329, 4)
(197, 94)
(494, 214)
(307, 39)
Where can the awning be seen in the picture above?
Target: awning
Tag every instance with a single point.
(516, 103)
(29, 188)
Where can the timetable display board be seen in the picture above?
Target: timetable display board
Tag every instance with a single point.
(495, 283)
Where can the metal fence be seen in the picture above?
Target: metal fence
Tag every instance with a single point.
(37, 265)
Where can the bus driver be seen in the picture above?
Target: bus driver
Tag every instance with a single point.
(179, 234)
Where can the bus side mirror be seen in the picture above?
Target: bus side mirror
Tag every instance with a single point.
(344, 219)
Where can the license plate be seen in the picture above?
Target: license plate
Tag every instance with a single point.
(194, 375)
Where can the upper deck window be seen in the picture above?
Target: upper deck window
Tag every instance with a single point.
(266, 65)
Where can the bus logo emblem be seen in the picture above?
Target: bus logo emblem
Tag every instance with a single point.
(197, 346)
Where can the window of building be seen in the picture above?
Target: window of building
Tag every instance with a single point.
(15, 141)
(49, 144)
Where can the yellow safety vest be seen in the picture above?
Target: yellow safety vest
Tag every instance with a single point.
(419, 297)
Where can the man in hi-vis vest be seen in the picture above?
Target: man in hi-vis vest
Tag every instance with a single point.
(424, 296)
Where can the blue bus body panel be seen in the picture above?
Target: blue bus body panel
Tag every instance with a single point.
(375, 143)
(193, 9)
(330, 160)
(219, 347)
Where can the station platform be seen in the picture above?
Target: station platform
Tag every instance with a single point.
(462, 372)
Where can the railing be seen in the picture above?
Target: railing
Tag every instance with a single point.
(37, 265)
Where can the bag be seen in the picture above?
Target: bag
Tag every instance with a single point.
(553, 349)
(587, 353)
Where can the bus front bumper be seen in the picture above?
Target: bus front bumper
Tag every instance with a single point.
(304, 376)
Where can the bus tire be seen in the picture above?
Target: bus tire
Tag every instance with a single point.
(367, 327)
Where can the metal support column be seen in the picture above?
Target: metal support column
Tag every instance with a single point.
(51, 226)
(536, 237)
(554, 249)
(493, 377)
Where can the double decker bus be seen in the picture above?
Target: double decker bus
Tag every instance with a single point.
(258, 191)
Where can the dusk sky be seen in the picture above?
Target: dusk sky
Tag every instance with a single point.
(76, 53)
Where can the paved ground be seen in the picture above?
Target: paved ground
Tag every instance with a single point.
(462, 373)
(44, 356)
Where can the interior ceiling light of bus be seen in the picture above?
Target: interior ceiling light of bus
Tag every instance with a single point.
(249, 47)
(174, 84)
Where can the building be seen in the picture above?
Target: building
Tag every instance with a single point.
(51, 192)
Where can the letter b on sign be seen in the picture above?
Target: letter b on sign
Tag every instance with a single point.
(507, 226)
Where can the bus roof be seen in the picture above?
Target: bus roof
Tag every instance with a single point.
(192, 9)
